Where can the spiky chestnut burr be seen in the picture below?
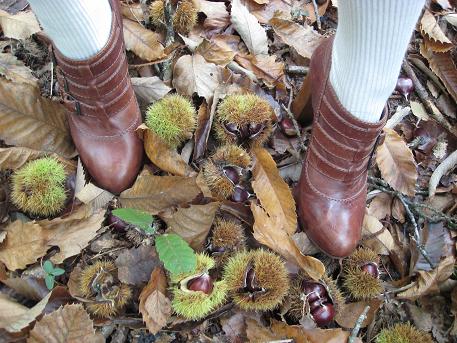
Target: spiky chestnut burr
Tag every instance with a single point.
(156, 13)
(361, 274)
(257, 280)
(196, 294)
(227, 238)
(244, 119)
(172, 118)
(223, 169)
(38, 187)
(98, 282)
(185, 17)
(403, 333)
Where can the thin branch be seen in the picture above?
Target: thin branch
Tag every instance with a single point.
(294, 121)
(316, 13)
(300, 70)
(169, 39)
(358, 325)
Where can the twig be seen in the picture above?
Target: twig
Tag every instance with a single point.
(297, 70)
(52, 79)
(316, 13)
(235, 67)
(429, 105)
(448, 164)
(294, 121)
(358, 325)
(169, 39)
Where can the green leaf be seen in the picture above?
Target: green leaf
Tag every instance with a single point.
(176, 255)
(58, 271)
(49, 280)
(136, 218)
(48, 267)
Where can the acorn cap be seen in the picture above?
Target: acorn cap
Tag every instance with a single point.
(403, 333)
(185, 17)
(39, 187)
(256, 279)
(172, 118)
(242, 111)
(194, 305)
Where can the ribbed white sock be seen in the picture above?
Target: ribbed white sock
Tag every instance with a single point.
(370, 43)
(78, 28)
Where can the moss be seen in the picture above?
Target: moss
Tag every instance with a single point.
(403, 333)
(173, 119)
(194, 305)
(39, 187)
(243, 110)
(98, 282)
(270, 276)
(185, 17)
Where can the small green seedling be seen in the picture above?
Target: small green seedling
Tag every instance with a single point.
(139, 219)
(50, 273)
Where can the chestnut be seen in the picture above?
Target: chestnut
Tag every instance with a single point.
(371, 268)
(313, 291)
(240, 194)
(323, 314)
(232, 174)
(202, 283)
(405, 86)
(287, 126)
(116, 222)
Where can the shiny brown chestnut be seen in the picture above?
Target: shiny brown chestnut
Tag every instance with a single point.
(323, 314)
(371, 268)
(240, 194)
(202, 283)
(287, 126)
(232, 174)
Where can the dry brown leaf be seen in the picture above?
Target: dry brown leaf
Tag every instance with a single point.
(15, 70)
(192, 223)
(396, 163)
(435, 38)
(156, 193)
(192, 74)
(303, 38)
(15, 157)
(216, 13)
(375, 236)
(135, 265)
(155, 307)
(68, 324)
(273, 192)
(149, 89)
(296, 332)
(143, 42)
(19, 26)
(14, 317)
(419, 110)
(264, 13)
(132, 11)
(256, 331)
(349, 313)
(24, 244)
(428, 282)
(217, 50)
(381, 206)
(270, 231)
(162, 155)
(264, 67)
(247, 26)
(32, 121)
(443, 65)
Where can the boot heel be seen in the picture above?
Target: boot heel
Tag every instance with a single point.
(301, 105)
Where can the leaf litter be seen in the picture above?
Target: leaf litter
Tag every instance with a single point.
(250, 46)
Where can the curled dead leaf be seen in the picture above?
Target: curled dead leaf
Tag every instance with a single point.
(433, 35)
(149, 89)
(396, 163)
(143, 42)
(15, 70)
(19, 26)
(376, 237)
(264, 67)
(350, 312)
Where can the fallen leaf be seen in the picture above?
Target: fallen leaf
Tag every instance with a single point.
(27, 119)
(162, 155)
(216, 50)
(15, 70)
(14, 317)
(143, 42)
(29, 287)
(134, 266)
(264, 67)
(264, 13)
(427, 282)
(154, 194)
(149, 89)
(70, 323)
(431, 31)
(15, 157)
(192, 223)
(270, 231)
(419, 110)
(381, 206)
(303, 38)
(202, 132)
(247, 26)
(216, 13)
(155, 307)
(349, 313)
(24, 244)
(375, 236)
(272, 191)
(193, 74)
(256, 331)
(19, 26)
(132, 11)
(234, 327)
(396, 163)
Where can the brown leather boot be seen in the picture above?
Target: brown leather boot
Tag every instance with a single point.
(331, 193)
(103, 112)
